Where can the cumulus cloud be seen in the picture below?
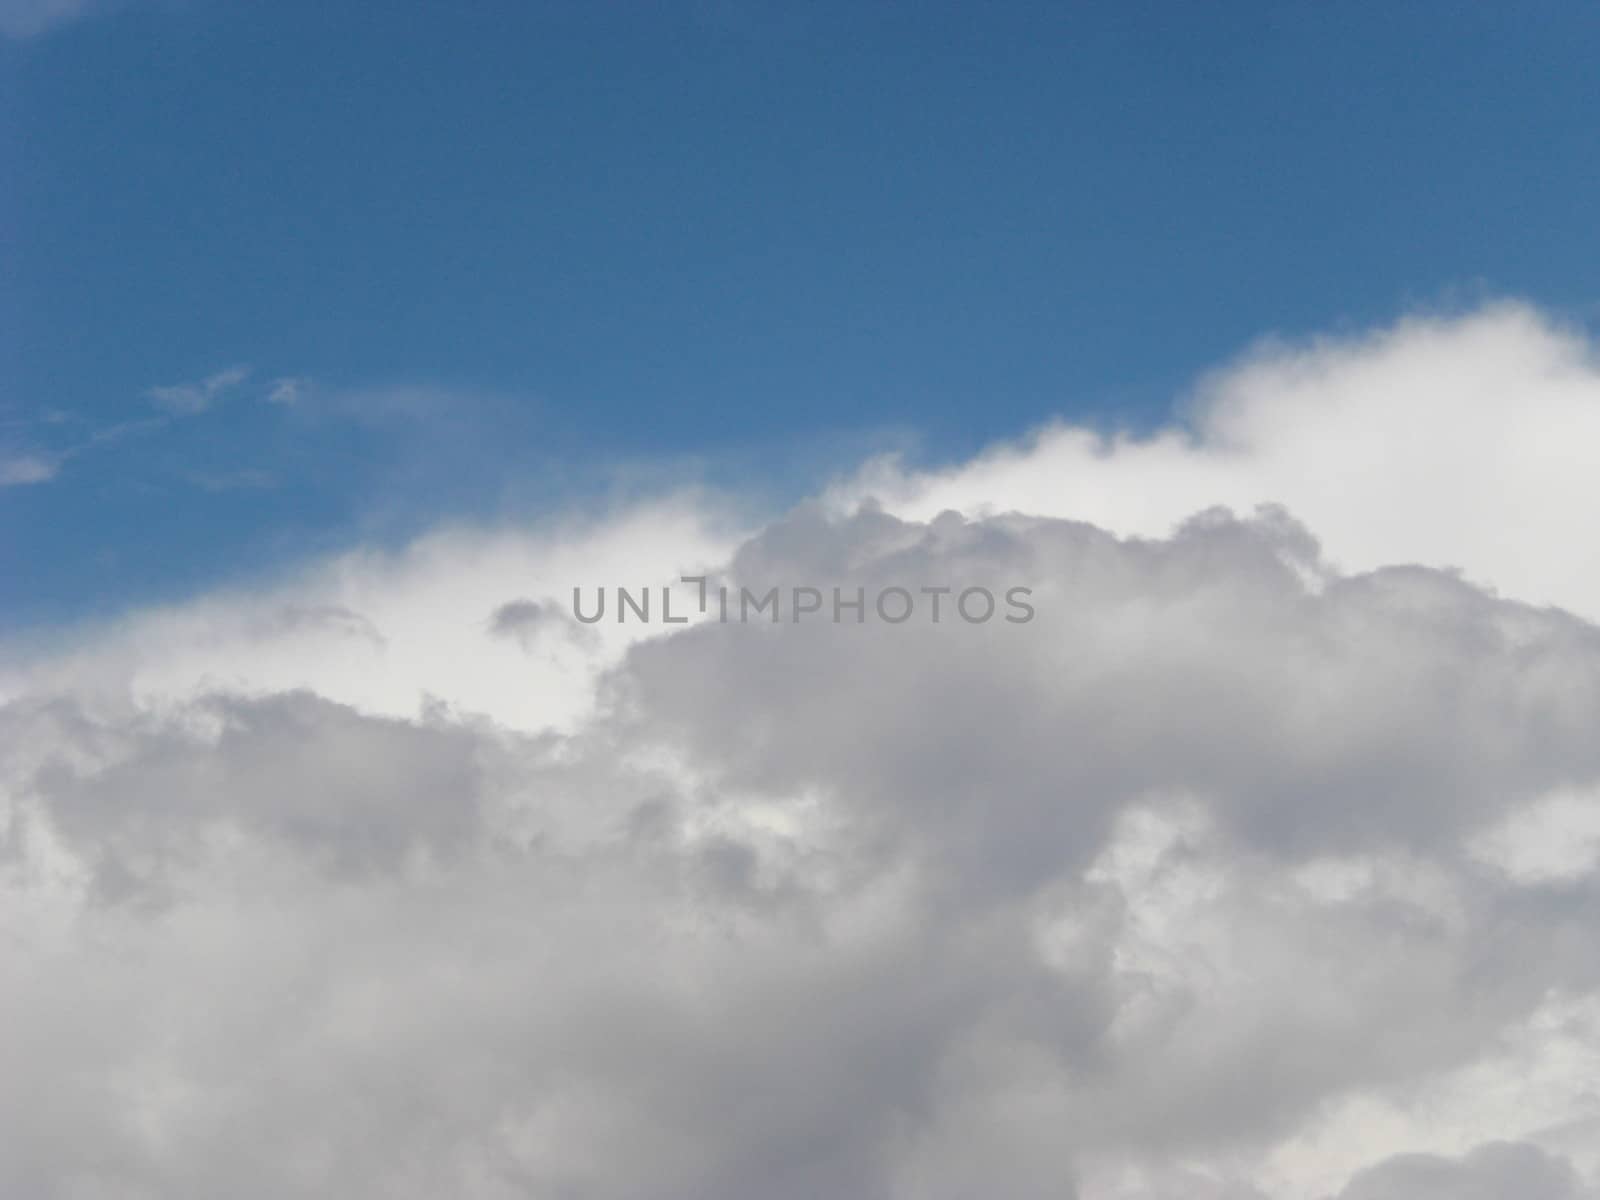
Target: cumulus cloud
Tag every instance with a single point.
(1243, 871)
(390, 632)
(1452, 442)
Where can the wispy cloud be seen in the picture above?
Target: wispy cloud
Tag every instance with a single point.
(44, 466)
(188, 399)
(287, 391)
(175, 401)
(28, 18)
(19, 469)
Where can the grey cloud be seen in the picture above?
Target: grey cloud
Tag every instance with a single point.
(521, 618)
(1490, 1172)
(862, 911)
(1392, 709)
(524, 621)
(330, 618)
(17, 470)
(140, 804)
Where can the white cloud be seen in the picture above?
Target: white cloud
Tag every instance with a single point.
(1463, 442)
(287, 391)
(189, 399)
(1233, 875)
(390, 633)
(19, 470)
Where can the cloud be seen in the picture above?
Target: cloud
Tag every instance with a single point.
(174, 401)
(1446, 441)
(28, 18)
(429, 604)
(1488, 1173)
(520, 617)
(540, 624)
(21, 469)
(1240, 872)
(190, 399)
(288, 391)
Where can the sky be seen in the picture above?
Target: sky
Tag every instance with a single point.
(1243, 356)
(537, 250)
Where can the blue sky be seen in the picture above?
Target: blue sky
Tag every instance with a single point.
(444, 260)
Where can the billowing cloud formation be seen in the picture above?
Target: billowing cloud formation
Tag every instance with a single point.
(1237, 873)
(1464, 442)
